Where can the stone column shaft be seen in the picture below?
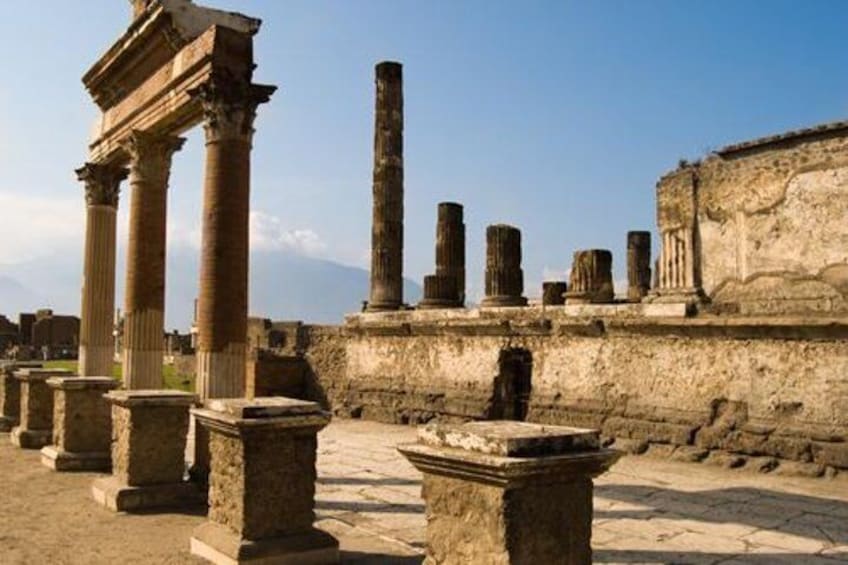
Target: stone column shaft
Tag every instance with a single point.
(387, 222)
(102, 185)
(230, 109)
(638, 265)
(591, 278)
(504, 276)
(553, 293)
(144, 304)
(450, 246)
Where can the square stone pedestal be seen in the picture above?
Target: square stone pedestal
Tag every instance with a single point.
(35, 429)
(508, 492)
(82, 424)
(149, 430)
(10, 393)
(262, 483)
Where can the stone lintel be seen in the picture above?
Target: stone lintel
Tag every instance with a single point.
(134, 398)
(83, 383)
(35, 375)
(510, 438)
(219, 545)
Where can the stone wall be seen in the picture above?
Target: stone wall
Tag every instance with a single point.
(770, 214)
(729, 389)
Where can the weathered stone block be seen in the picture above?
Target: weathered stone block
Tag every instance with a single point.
(262, 483)
(82, 424)
(10, 394)
(831, 454)
(483, 482)
(36, 416)
(149, 429)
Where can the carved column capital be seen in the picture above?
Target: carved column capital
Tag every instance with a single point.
(102, 183)
(150, 154)
(229, 106)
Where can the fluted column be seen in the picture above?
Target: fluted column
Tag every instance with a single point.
(553, 293)
(102, 187)
(504, 276)
(144, 299)
(591, 278)
(230, 108)
(387, 222)
(638, 265)
(446, 289)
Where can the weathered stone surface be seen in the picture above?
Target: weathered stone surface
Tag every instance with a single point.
(10, 394)
(504, 276)
(509, 439)
(638, 265)
(552, 293)
(35, 429)
(591, 278)
(446, 289)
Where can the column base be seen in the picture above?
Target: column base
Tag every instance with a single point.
(116, 496)
(221, 546)
(503, 301)
(57, 459)
(220, 374)
(30, 439)
(6, 424)
(434, 304)
(383, 306)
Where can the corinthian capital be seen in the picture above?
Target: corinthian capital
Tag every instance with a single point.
(102, 183)
(229, 106)
(150, 154)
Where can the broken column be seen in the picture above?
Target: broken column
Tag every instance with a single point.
(102, 187)
(229, 105)
(638, 265)
(553, 293)
(149, 430)
(387, 222)
(504, 277)
(82, 424)
(446, 289)
(508, 492)
(35, 429)
(262, 483)
(10, 394)
(591, 278)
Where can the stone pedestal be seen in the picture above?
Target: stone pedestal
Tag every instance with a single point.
(82, 424)
(553, 293)
(591, 278)
(10, 394)
(149, 430)
(35, 429)
(638, 265)
(262, 483)
(508, 492)
(387, 221)
(504, 277)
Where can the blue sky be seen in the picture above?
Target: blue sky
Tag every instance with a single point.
(557, 117)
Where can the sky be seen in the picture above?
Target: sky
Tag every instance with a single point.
(555, 116)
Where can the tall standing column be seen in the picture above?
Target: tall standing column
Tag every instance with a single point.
(144, 300)
(230, 108)
(387, 223)
(504, 277)
(638, 265)
(102, 187)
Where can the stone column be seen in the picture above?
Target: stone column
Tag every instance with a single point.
(262, 483)
(508, 492)
(553, 293)
(102, 186)
(35, 429)
(144, 300)
(230, 109)
(638, 265)
(82, 424)
(446, 289)
(149, 430)
(387, 222)
(504, 277)
(10, 394)
(591, 278)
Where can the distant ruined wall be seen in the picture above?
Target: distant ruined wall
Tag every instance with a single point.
(770, 228)
(743, 389)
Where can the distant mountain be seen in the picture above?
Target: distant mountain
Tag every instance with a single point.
(284, 285)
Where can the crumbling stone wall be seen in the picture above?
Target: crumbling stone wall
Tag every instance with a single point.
(733, 390)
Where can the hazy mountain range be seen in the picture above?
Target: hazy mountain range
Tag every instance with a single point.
(284, 286)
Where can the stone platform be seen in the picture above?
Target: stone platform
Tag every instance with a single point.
(646, 511)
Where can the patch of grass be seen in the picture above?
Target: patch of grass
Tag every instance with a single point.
(173, 379)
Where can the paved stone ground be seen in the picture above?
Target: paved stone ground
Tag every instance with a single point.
(646, 511)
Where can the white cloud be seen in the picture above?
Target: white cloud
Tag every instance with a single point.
(267, 233)
(36, 226)
(550, 274)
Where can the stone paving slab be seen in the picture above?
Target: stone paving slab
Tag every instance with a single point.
(646, 511)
